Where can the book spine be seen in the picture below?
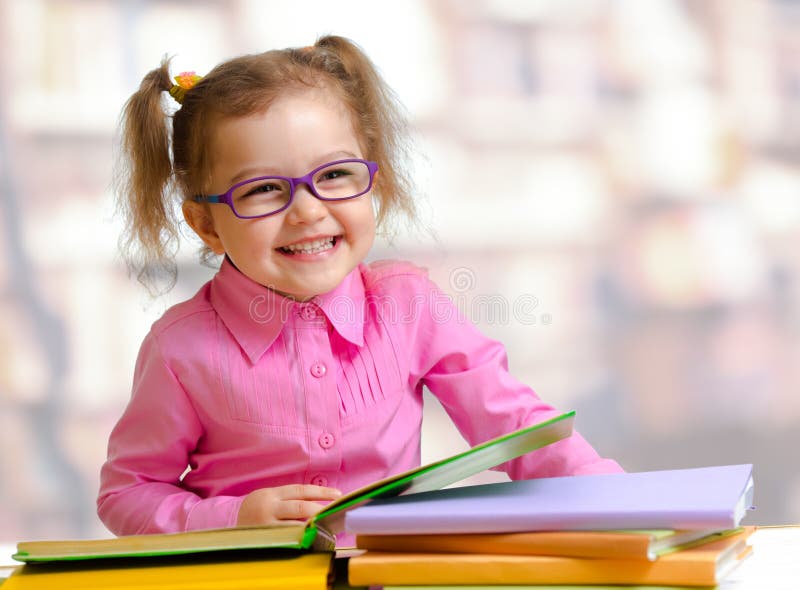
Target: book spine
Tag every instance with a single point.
(577, 544)
(408, 569)
(372, 523)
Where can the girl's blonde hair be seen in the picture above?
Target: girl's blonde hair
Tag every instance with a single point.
(161, 163)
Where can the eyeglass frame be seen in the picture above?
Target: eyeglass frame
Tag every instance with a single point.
(294, 182)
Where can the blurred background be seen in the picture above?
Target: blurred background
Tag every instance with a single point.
(611, 187)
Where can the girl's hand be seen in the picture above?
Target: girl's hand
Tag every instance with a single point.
(283, 505)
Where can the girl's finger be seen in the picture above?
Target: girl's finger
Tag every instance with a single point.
(296, 510)
(307, 492)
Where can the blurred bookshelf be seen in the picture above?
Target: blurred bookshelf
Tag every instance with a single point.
(610, 188)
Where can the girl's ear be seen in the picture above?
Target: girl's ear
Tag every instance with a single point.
(199, 219)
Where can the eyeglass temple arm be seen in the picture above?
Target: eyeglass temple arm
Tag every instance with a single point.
(208, 198)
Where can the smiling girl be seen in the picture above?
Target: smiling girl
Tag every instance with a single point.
(297, 372)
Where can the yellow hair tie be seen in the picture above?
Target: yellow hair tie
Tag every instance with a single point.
(184, 81)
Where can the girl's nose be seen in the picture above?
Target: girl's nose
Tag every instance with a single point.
(305, 207)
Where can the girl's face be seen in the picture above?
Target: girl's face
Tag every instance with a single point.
(299, 131)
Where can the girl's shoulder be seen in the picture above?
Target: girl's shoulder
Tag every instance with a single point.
(392, 273)
(183, 315)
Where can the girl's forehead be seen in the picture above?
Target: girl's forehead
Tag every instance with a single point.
(323, 96)
(298, 130)
(305, 116)
(295, 110)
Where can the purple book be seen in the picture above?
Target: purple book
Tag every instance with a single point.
(698, 498)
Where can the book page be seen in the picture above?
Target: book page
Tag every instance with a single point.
(444, 472)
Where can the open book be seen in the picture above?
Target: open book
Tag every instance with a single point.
(318, 532)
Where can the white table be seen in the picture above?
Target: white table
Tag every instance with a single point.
(774, 564)
(6, 563)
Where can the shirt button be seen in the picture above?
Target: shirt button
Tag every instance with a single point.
(308, 313)
(318, 370)
(326, 440)
(319, 480)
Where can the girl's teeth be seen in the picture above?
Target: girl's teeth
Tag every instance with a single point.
(310, 247)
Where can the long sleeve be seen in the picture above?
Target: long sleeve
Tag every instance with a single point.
(149, 449)
(468, 373)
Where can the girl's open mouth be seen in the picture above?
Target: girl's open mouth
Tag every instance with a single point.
(310, 247)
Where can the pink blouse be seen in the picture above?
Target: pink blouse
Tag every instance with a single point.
(248, 389)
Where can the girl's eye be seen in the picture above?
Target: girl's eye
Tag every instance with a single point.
(262, 188)
(333, 174)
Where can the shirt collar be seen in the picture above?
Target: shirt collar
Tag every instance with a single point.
(255, 315)
(344, 307)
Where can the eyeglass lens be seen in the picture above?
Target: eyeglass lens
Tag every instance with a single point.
(262, 196)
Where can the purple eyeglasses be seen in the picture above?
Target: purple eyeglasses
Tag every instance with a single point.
(268, 195)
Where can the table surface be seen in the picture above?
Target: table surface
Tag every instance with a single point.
(774, 563)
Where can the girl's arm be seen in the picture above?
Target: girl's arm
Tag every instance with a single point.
(151, 447)
(148, 451)
(468, 373)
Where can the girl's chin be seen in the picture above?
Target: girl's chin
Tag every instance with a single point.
(308, 290)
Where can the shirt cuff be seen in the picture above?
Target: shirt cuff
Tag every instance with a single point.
(214, 513)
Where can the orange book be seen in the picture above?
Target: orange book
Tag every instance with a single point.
(647, 545)
(704, 565)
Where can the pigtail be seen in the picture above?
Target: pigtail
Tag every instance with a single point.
(384, 124)
(144, 183)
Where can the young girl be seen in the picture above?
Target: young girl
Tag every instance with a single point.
(297, 372)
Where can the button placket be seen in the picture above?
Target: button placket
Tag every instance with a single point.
(320, 392)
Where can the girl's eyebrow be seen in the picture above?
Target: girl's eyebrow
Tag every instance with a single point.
(255, 171)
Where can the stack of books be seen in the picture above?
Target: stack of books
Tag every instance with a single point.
(542, 531)
(659, 528)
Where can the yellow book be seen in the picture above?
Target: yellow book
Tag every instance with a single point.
(646, 545)
(297, 571)
(704, 565)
